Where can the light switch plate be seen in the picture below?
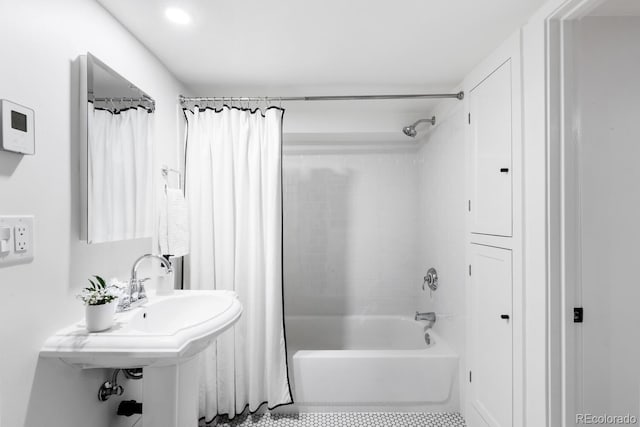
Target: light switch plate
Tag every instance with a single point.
(18, 249)
(5, 240)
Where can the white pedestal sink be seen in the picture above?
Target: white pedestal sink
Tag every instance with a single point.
(162, 336)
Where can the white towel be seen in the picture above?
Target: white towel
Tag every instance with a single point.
(173, 229)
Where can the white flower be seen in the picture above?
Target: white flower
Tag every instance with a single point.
(98, 293)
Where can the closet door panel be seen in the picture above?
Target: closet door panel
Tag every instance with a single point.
(491, 135)
(491, 364)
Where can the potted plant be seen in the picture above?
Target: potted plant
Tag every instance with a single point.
(100, 304)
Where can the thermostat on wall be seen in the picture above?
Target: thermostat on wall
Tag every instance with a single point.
(17, 128)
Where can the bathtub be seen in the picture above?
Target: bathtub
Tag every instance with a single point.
(369, 361)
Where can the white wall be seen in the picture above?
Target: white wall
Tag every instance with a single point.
(40, 42)
(608, 66)
(441, 180)
(350, 236)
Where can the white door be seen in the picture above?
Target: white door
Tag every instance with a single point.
(491, 335)
(606, 252)
(491, 134)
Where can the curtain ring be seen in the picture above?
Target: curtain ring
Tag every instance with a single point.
(280, 103)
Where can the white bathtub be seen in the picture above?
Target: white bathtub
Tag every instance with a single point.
(368, 361)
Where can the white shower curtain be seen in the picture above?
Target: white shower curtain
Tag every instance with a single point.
(233, 188)
(120, 159)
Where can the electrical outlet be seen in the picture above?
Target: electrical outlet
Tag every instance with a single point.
(17, 247)
(21, 237)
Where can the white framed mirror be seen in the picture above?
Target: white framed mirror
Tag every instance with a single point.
(116, 155)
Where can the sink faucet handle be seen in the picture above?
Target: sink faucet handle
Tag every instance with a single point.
(142, 293)
(124, 302)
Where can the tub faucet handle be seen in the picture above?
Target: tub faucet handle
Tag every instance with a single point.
(430, 280)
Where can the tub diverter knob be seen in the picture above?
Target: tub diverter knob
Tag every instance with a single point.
(431, 279)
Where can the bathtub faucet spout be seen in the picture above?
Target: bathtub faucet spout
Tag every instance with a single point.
(429, 317)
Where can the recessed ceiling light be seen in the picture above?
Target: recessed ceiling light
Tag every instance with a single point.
(177, 16)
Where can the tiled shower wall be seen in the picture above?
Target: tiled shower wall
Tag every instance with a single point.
(350, 221)
(442, 227)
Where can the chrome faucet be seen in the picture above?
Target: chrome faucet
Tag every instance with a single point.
(137, 293)
(429, 317)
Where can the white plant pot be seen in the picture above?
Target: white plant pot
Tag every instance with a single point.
(100, 317)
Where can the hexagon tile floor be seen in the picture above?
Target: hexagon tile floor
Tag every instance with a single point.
(346, 419)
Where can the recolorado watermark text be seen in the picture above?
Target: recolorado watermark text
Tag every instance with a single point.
(606, 419)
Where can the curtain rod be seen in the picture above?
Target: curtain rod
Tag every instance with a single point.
(458, 95)
(128, 101)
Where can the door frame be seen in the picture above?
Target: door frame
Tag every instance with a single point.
(564, 386)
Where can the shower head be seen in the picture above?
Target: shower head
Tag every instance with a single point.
(411, 129)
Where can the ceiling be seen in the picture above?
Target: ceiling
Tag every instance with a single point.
(617, 8)
(290, 46)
